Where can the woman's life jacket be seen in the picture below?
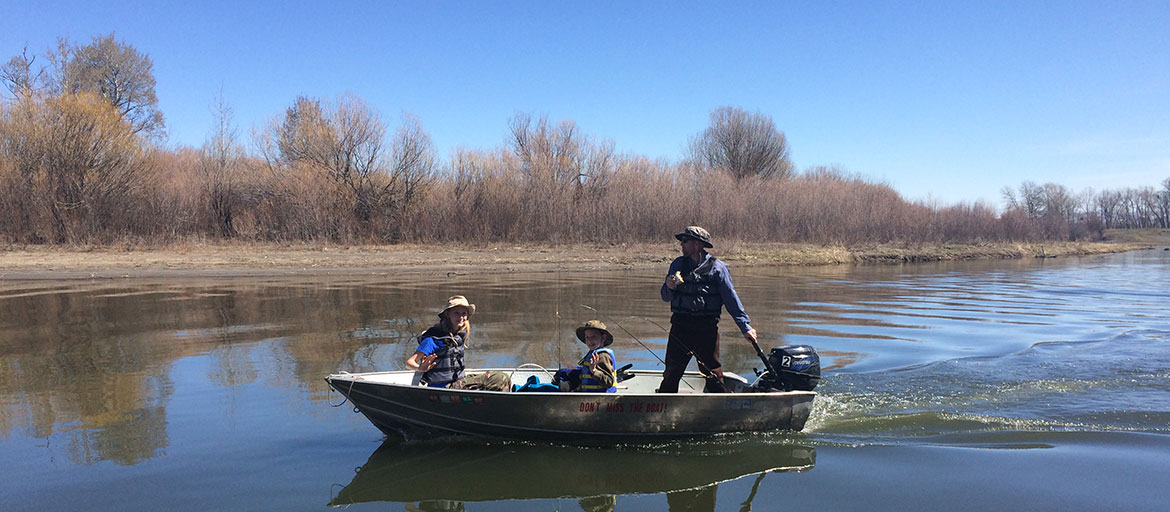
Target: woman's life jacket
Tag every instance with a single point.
(448, 359)
(698, 294)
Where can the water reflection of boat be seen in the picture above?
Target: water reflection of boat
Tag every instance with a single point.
(470, 471)
(634, 412)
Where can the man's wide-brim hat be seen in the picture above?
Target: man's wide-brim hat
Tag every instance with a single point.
(457, 300)
(594, 324)
(695, 233)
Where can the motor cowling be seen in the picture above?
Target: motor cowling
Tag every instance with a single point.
(798, 367)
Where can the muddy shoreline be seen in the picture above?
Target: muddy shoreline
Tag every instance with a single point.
(195, 260)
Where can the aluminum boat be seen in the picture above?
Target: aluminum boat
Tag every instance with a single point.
(396, 404)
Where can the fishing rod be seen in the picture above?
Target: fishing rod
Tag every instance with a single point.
(759, 352)
(630, 334)
(615, 322)
(698, 361)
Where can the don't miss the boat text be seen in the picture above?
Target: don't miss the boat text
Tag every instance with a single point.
(632, 407)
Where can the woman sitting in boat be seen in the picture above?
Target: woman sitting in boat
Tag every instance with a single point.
(441, 348)
(596, 372)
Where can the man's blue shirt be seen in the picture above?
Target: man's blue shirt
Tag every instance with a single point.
(731, 301)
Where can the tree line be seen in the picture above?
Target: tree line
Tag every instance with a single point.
(1056, 211)
(83, 161)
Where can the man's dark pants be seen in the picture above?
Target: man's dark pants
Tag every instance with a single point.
(690, 333)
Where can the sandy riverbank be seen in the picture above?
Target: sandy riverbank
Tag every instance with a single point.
(274, 259)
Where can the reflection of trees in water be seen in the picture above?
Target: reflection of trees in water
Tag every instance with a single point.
(92, 367)
(136, 436)
(92, 362)
(233, 365)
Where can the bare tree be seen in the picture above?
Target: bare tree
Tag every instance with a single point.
(298, 134)
(550, 155)
(219, 163)
(560, 158)
(18, 76)
(412, 162)
(1148, 207)
(743, 144)
(1163, 204)
(1031, 199)
(1059, 202)
(1106, 205)
(345, 141)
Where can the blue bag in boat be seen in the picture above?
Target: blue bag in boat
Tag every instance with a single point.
(534, 385)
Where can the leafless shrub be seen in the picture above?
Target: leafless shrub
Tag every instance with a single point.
(564, 175)
(80, 167)
(72, 170)
(372, 187)
(220, 162)
(742, 144)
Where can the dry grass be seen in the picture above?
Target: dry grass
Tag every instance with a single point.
(1153, 236)
(228, 259)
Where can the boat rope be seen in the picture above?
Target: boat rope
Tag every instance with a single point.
(344, 396)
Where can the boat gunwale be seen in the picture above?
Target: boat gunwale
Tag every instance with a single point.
(356, 377)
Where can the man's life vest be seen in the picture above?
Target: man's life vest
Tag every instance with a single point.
(698, 294)
(448, 359)
(589, 384)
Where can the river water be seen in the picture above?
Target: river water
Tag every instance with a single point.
(996, 385)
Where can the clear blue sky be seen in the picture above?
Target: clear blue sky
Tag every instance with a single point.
(943, 100)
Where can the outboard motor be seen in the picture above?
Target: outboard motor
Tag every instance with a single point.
(798, 367)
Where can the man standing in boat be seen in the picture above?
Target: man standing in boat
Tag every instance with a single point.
(698, 287)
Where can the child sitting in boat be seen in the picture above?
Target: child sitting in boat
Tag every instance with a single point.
(440, 352)
(596, 373)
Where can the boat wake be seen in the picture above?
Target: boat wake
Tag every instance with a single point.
(1114, 385)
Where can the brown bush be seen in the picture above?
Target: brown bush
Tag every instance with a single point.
(77, 170)
(72, 172)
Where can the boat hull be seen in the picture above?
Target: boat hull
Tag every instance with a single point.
(399, 409)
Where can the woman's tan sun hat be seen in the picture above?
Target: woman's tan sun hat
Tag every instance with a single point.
(594, 324)
(455, 301)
